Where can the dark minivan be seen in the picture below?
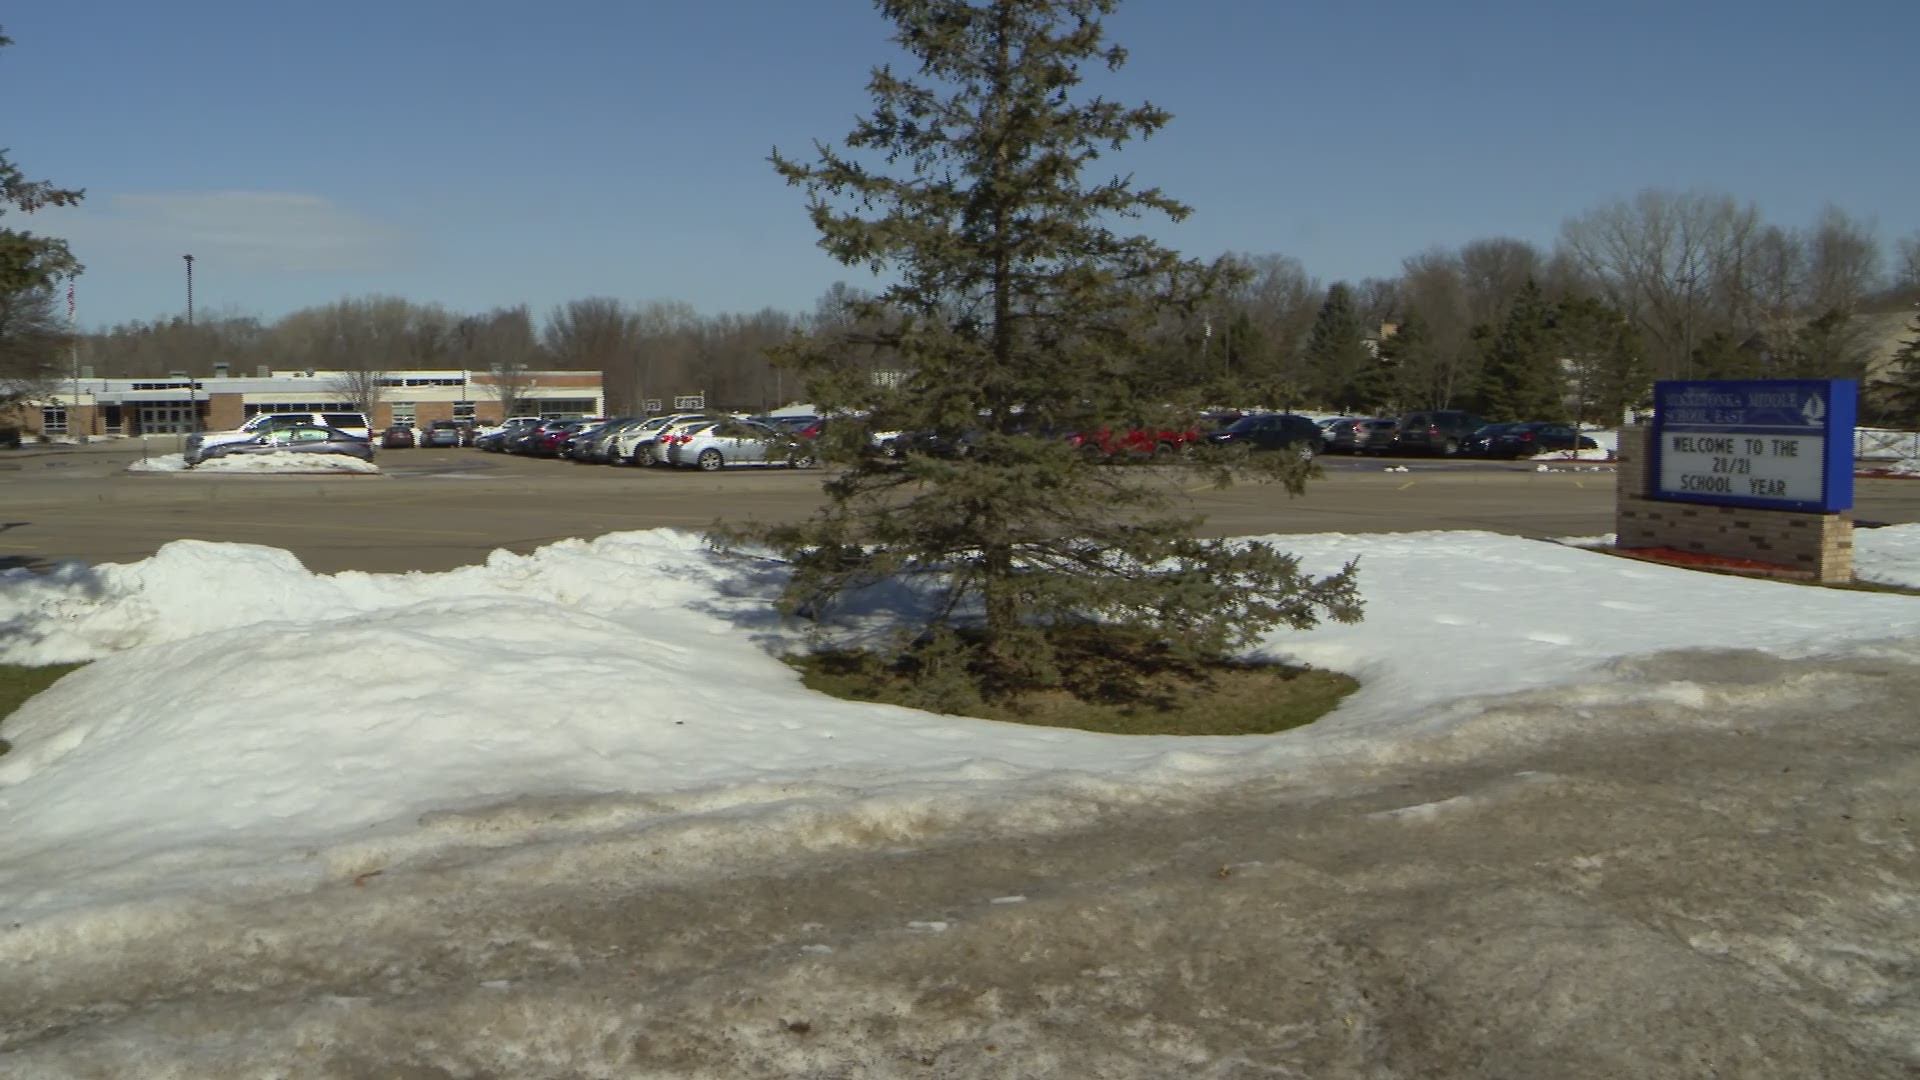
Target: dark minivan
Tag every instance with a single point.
(1439, 431)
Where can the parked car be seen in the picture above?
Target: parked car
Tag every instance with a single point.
(714, 446)
(1326, 425)
(575, 444)
(355, 424)
(787, 423)
(531, 441)
(441, 433)
(1481, 440)
(396, 438)
(1271, 431)
(296, 440)
(598, 446)
(1440, 431)
(553, 436)
(1366, 435)
(1143, 441)
(1528, 439)
(496, 440)
(936, 444)
(647, 446)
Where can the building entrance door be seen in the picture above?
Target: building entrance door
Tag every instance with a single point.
(165, 419)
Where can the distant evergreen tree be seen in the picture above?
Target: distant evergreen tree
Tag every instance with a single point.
(1017, 314)
(1723, 355)
(1407, 362)
(1901, 388)
(1602, 349)
(1828, 346)
(1337, 357)
(31, 268)
(1522, 378)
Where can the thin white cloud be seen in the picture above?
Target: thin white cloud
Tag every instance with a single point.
(254, 231)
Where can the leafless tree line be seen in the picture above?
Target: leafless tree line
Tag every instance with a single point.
(651, 351)
(1709, 286)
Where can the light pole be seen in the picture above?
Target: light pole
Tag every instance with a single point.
(193, 388)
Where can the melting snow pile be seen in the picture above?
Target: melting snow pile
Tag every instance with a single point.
(258, 464)
(161, 463)
(248, 724)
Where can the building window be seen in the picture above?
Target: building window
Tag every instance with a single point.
(53, 421)
(463, 410)
(559, 408)
(403, 414)
(275, 407)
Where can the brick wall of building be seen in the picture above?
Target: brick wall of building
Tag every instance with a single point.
(1820, 546)
(224, 412)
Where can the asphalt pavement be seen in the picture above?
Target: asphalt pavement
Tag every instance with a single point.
(437, 509)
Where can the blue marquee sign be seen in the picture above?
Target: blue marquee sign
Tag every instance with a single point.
(1779, 444)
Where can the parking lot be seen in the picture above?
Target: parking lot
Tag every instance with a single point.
(441, 508)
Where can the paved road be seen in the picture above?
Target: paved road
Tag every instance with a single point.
(437, 509)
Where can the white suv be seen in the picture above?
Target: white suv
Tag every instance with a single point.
(355, 424)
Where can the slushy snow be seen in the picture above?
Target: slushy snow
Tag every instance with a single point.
(235, 735)
(258, 464)
(327, 825)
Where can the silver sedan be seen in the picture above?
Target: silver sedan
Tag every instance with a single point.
(734, 442)
(296, 440)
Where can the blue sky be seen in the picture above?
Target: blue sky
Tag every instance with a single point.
(490, 152)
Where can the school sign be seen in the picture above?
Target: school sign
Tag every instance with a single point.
(1759, 471)
(1778, 444)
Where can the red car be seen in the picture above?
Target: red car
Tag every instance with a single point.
(1135, 442)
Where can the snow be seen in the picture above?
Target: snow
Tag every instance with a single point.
(160, 463)
(286, 732)
(228, 734)
(259, 464)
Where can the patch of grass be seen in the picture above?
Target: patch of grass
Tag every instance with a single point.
(18, 683)
(1115, 688)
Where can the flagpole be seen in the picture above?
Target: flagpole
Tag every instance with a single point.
(73, 345)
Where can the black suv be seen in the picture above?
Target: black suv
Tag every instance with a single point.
(1440, 431)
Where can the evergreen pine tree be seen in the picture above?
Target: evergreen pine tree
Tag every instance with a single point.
(1602, 347)
(1721, 355)
(1017, 314)
(1901, 388)
(1522, 378)
(30, 268)
(1336, 355)
(1408, 359)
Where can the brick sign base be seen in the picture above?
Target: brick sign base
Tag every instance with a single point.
(1818, 547)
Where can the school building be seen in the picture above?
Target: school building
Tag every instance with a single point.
(174, 404)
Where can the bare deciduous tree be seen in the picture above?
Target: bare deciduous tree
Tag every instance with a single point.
(1843, 264)
(598, 334)
(501, 344)
(1665, 260)
(1906, 267)
(32, 344)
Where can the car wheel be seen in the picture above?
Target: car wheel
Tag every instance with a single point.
(709, 461)
(799, 460)
(1306, 451)
(1450, 448)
